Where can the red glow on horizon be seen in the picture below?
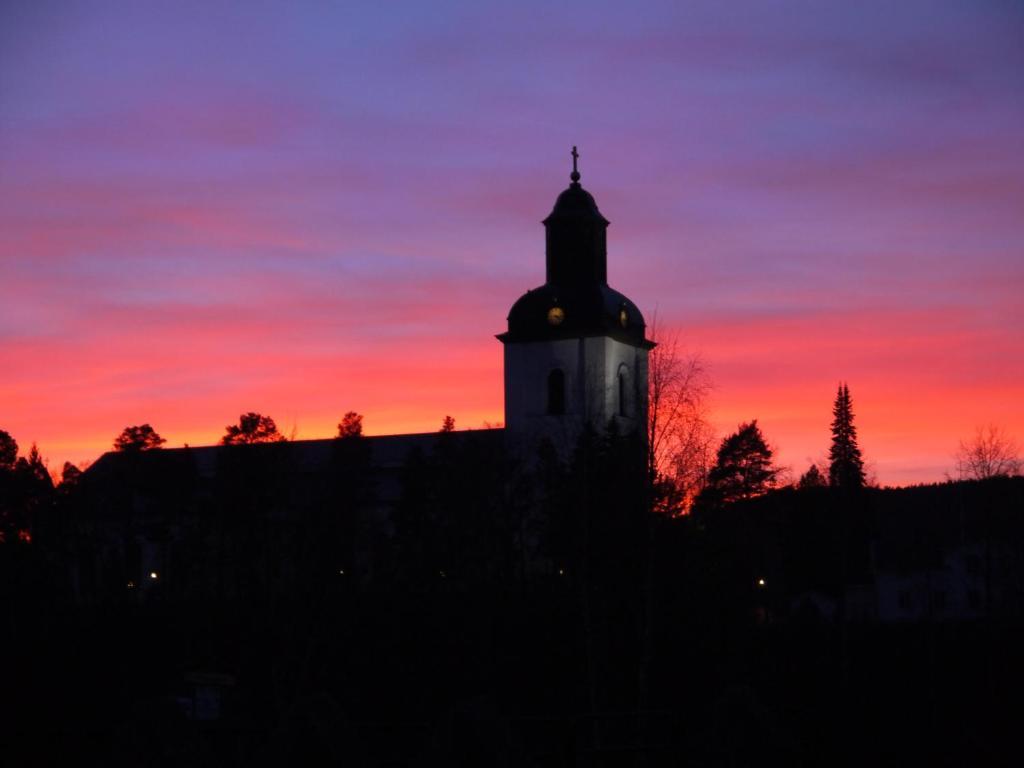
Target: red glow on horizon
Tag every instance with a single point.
(193, 225)
(908, 433)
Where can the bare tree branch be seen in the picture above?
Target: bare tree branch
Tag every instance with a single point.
(678, 432)
(990, 453)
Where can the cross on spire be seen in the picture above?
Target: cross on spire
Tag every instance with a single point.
(575, 175)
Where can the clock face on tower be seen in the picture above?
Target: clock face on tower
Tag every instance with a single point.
(556, 315)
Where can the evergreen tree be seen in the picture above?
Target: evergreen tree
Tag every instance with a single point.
(351, 425)
(24, 494)
(8, 450)
(743, 468)
(70, 475)
(33, 468)
(140, 438)
(846, 468)
(252, 428)
(812, 478)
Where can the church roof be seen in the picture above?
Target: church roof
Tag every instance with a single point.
(576, 300)
(181, 467)
(575, 203)
(586, 310)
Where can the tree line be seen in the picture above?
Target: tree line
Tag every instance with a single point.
(252, 428)
(686, 473)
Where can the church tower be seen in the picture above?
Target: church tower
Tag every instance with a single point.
(575, 349)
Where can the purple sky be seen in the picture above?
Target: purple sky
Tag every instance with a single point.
(212, 207)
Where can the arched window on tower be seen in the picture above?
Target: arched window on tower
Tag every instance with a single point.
(623, 391)
(556, 392)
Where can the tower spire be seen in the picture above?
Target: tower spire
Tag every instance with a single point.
(575, 175)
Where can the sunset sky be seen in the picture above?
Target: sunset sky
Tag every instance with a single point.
(309, 208)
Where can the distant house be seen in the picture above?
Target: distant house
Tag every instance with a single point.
(950, 552)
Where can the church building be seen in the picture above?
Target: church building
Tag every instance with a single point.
(575, 355)
(575, 349)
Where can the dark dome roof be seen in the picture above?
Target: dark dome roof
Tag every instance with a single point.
(577, 280)
(575, 203)
(587, 310)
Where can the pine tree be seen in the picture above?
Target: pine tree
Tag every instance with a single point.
(139, 438)
(252, 428)
(812, 478)
(34, 468)
(743, 468)
(846, 468)
(351, 425)
(8, 450)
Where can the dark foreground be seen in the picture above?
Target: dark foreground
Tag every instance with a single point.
(797, 629)
(497, 679)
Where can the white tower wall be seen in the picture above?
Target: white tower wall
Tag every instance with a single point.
(593, 368)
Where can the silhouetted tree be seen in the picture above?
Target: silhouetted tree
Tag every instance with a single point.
(812, 478)
(70, 475)
(9, 495)
(990, 453)
(25, 491)
(846, 467)
(33, 466)
(743, 468)
(678, 433)
(351, 425)
(448, 425)
(140, 438)
(8, 451)
(252, 428)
